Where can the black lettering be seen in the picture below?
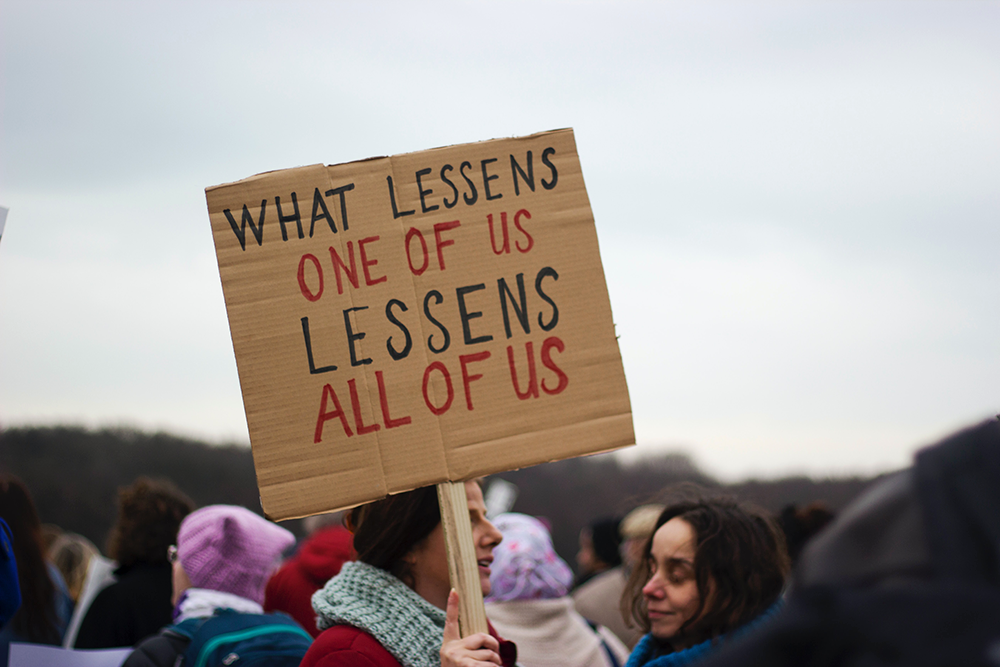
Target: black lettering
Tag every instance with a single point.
(548, 163)
(469, 201)
(343, 201)
(427, 311)
(528, 178)
(487, 178)
(320, 204)
(309, 351)
(351, 336)
(423, 193)
(467, 316)
(547, 272)
(241, 230)
(396, 356)
(295, 217)
(392, 196)
(454, 190)
(522, 312)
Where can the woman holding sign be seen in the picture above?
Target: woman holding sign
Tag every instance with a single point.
(712, 570)
(388, 609)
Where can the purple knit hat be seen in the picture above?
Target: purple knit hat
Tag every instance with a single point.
(525, 566)
(230, 549)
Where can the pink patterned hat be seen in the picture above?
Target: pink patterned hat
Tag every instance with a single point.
(525, 566)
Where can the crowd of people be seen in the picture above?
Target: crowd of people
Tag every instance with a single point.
(699, 579)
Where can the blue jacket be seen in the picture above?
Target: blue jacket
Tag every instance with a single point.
(10, 591)
(642, 654)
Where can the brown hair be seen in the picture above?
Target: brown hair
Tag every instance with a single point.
(388, 529)
(149, 515)
(740, 566)
(37, 619)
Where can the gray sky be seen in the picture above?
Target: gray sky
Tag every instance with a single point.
(797, 203)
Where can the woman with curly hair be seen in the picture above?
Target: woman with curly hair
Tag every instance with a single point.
(712, 569)
(138, 603)
(45, 603)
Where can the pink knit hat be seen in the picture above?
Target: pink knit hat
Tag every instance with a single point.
(230, 549)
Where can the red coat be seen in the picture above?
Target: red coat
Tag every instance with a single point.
(347, 646)
(321, 556)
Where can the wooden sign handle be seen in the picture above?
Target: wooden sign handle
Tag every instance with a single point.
(462, 567)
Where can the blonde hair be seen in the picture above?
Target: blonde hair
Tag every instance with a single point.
(71, 554)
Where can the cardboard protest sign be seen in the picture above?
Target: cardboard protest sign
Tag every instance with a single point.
(407, 320)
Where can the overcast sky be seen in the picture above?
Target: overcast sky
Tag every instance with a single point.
(798, 204)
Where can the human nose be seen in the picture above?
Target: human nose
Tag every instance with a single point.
(491, 535)
(654, 587)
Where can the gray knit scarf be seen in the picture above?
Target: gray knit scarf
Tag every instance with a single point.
(371, 599)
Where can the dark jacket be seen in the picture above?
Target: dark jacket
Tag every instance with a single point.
(161, 650)
(129, 610)
(908, 574)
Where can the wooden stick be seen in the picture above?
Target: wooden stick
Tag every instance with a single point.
(462, 566)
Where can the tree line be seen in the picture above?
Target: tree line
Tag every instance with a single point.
(74, 475)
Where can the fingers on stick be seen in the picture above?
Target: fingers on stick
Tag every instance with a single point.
(478, 650)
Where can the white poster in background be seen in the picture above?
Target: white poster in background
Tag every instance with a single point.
(3, 219)
(500, 497)
(100, 575)
(35, 655)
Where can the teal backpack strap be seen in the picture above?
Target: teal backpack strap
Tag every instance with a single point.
(233, 639)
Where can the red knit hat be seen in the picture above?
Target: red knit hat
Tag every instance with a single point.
(230, 549)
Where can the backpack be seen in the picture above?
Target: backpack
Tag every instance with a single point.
(232, 639)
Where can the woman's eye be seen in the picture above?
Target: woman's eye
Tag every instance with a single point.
(678, 575)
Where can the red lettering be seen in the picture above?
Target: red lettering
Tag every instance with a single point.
(306, 292)
(440, 243)
(359, 422)
(532, 391)
(384, 400)
(365, 262)
(506, 235)
(437, 365)
(409, 256)
(324, 416)
(467, 379)
(547, 345)
(338, 263)
(517, 223)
